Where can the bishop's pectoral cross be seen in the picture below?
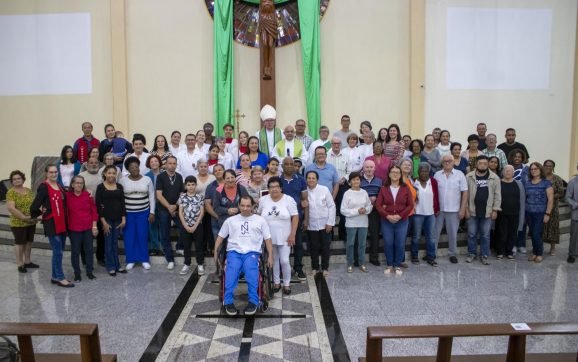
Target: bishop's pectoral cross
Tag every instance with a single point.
(267, 41)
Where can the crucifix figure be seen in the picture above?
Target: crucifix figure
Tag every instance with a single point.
(267, 41)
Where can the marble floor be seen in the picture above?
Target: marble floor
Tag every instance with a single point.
(160, 315)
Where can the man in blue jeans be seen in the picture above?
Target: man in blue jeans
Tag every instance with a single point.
(485, 199)
(168, 189)
(246, 232)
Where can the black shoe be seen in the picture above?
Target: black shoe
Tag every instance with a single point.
(90, 276)
(356, 264)
(453, 260)
(415, 260)
(22, 269)
(432, 262)
(31, 265)
(77, 278)
(112, 273)
(571, 259)
(251, 309)
(375, 262)
(286, 290)
(424, 258)
(230, 309)
(60, 284)
(276, 289)
(301, 276)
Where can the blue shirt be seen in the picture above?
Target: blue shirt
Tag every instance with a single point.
(536, 198)
(371, 187)
(294, 188)
(327, 175)
(262, 160)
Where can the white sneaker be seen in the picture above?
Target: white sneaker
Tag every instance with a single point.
(522, 250)
(398, 271)
(170, 265)
(129, 266)
(185, 269)
(180, 252)
(388, 270)
(201, 270)
(147, 266)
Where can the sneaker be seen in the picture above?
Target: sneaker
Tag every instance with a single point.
(287, 290)
(251, 309)
(90, 276)
(185, 269)
(170, 265)
(122, 271)
(200, 269)
(510, 257)
(230, 309)
(470, 258)
(432, 262)
(112, 273)
(180, 252)
(500, 257)
(363, 268)
(31, 265)
(388, 270)
(146, 266)
(522, 250)
(453, 259)
(350, 269)
(484, 260)
(415, 260)
(398, 271)
(129, 266)
(571, 259)
(22, 269)
(301, 276)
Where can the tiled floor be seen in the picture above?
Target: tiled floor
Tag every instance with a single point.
(504, 292)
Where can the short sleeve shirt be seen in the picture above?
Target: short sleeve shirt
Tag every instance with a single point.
(246, 234)
(22, 202)
(278, 215)
(171, 187)
(192, 206)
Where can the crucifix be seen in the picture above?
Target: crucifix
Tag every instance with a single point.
(237, 116)
(267, 40)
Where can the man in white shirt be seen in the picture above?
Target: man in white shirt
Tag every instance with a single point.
(453, 200)
(187, 159)
(366, 149)
(339, 161)
(322, 141)
(290, 147)
(246, 232)
(269, 134)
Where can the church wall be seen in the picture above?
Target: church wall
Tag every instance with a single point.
(42, 124)
(542, 118)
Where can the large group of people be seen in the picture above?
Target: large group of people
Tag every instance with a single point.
(365, 184)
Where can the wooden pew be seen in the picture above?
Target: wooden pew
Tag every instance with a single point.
(446, 333)
(88, 333)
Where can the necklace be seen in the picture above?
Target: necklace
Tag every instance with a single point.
(172, 179)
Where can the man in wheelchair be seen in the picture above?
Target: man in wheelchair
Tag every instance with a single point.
(246, 232)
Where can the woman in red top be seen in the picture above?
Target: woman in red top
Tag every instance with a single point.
(394, 204)
(382, 162)
(49, 202)
(82, 218)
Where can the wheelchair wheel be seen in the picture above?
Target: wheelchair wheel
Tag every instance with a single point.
(264, 306)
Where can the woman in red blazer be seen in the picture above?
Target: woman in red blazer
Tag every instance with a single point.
(394, 204)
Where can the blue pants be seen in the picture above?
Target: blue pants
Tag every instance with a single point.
(249, 265)
(57, 243)
(394, 241)
(535, 222)
(136, 237)
(482, 226)
(81, 241)
(427, 224)
(361, 235)
(165, 219)
(111, 246)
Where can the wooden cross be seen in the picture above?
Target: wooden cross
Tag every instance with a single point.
(237, 116)
(267, 41)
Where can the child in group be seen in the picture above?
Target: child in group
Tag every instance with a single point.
(191, 212)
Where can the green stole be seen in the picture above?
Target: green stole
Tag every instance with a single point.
(297, 148)
(263, 144)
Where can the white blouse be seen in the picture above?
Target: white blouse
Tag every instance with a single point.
(321, 208)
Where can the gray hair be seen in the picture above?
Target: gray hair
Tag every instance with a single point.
(202, 160)
(423, 165)
(402, 160)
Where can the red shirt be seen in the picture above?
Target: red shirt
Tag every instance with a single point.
(81, 211)
(402, 205)
(82, 148)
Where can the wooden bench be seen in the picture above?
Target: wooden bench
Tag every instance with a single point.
(89, 341)
(446, 333)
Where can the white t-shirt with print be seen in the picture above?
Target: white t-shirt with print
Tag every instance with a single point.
(246, 234)
(192, 206)
(278, 215)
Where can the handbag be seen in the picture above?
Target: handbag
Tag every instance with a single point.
(8, 350)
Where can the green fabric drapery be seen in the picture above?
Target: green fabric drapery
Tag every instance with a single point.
(309, 23)
(223, 61)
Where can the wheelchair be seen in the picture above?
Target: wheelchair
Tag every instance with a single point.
(264, 286)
